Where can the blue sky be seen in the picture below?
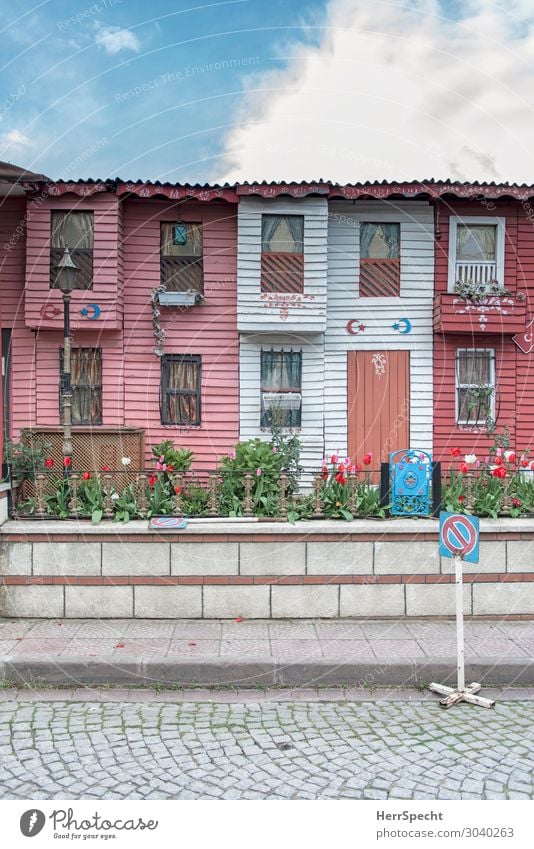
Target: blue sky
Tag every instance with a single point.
(136, 89)
(269, 89)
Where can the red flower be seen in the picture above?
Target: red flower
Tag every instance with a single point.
(455, 452)
(341, 467)
(49, 462)
(500, 472)
(367, 459)
(170, 468)
(178, 490)
(340, 478)
(498, 461)
(464, 468)
(86, 476)
(516, 502)
(524, 463)
(333, 458)
(106, 469)
(324, 471)
(358, 467)
(67, 462)
(511, 457)
(152, 480)
(461, 499)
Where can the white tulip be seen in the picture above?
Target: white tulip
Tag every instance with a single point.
(126, 461)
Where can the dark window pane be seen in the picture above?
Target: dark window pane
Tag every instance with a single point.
(86, 383)
(180, 389)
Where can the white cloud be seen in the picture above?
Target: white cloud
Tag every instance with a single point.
(13, 140)
(395, 92)
(115, 39)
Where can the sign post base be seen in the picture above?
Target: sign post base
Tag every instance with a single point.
(454, 697)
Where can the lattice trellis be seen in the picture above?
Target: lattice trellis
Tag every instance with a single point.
(92, 448)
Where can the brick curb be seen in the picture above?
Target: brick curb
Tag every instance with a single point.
(260, 672)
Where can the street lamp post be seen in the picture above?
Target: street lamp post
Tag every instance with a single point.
(66, 283)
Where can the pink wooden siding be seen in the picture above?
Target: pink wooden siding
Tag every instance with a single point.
(106, 264)
(209, 329)
(126, 268)
(12, 265)
(514, 370)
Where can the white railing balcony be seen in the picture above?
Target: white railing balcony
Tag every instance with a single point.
(478, 273)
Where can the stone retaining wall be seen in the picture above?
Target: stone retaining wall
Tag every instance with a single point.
(259, 570)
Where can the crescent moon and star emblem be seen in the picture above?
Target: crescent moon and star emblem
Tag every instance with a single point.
(355, 326)
(85, 311)
(48, 311)
(403, 325)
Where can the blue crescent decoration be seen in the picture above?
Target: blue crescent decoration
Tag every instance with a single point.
(403, 325)
(96, 311)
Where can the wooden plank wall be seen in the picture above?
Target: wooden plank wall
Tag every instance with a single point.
(253, 315)
(378, 315)
(208, 329)
(515, 398)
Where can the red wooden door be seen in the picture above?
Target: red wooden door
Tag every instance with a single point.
(378, 403)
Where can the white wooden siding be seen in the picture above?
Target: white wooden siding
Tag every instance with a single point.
(252, 313)
(379, 314)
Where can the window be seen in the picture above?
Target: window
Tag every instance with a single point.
(475, 386)
(281, 388)
(86, 384)
(72, 230)
(379, 260)
(282, 253)
(476, 254)
(180, 389)
(181, 257)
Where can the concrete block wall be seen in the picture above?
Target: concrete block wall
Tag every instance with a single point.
(372, 570)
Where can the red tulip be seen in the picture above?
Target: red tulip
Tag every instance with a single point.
(367, 459)
(49, 462)
(86, 476)
(516, 502)
(333, 458)
(498, 461)
(455, 452)
(499, 472)
(178, 490)
(461, 499)
(170, 468)
(67, 462)
(464, 468)
(106, 469)
(152, 480)
(340, 478)
(341, 467)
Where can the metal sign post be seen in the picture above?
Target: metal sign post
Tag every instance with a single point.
(459, 539)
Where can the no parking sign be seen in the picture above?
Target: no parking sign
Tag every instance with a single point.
(459, 535)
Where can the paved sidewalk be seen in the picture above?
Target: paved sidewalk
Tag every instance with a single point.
(251, 653)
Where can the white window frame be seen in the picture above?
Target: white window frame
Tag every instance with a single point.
(297, 393)
(458, 385)
(499, 222)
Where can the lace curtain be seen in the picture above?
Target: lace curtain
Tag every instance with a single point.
(282, 234)
(73, 230)
(379, 241)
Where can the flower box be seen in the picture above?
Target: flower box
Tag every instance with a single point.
(489, 314)
(179, 299)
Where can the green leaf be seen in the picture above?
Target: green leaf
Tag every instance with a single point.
(96, 516)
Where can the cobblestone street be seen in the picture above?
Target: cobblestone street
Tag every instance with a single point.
(269, 748)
